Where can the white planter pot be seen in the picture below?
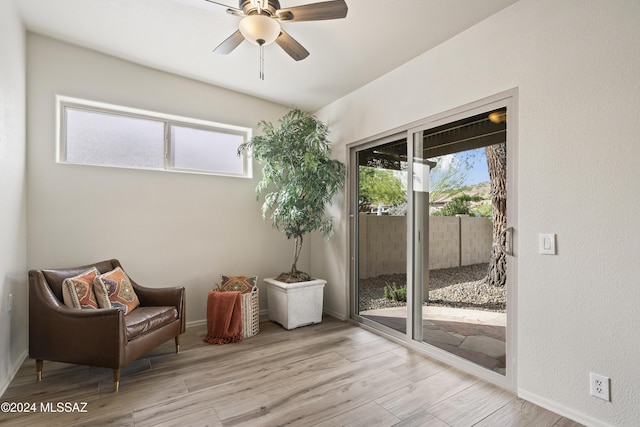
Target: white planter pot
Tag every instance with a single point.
(295, 304)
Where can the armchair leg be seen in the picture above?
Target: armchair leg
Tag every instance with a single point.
(39, 365)
(177, 340)
(116, 380)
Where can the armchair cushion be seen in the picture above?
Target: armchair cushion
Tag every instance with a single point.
(147, 319)
(77, 291)
(114, 290)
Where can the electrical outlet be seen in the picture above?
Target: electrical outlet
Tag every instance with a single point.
(10, 303)
(599, 386)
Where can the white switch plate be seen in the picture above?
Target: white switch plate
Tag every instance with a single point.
(548, 244)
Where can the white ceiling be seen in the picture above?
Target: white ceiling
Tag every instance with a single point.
(178, 36)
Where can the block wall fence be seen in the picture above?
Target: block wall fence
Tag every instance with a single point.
(453, 242)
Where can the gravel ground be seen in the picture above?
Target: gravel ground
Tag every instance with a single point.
(463, 287)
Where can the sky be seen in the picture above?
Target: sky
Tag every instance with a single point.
(476, 162)
(479, 171)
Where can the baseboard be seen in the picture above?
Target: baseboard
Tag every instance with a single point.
(264, 314)
(14, 370)
(196, 323)
(335, 314)
(562, 410)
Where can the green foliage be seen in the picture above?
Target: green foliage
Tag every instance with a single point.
(448, 175)
(379, 186)
(484, 210)
(298, 177)
(459, 205)
(395, 293)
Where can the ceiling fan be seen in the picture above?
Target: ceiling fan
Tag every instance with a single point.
(261, 20)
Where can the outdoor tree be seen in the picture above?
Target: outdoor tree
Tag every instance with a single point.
(379, 186)
(449, 174)
(484, 210)
(459, 205)
(497, 164)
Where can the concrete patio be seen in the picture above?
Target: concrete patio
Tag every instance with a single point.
(475, 335)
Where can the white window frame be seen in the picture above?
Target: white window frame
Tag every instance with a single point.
(63, 102)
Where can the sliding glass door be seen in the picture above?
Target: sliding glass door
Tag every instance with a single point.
(431, 246)
(381, 224)
(459, 222)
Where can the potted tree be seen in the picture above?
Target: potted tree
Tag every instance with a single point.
(299, 179)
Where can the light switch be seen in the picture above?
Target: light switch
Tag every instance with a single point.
(548, 244)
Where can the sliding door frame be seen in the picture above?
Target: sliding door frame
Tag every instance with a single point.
(508, 99)
(353, 150)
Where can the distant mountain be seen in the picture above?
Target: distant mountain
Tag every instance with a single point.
(482, 190)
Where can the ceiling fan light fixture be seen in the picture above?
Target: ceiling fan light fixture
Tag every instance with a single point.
(259, 29)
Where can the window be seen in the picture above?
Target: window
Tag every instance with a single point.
(98, 134)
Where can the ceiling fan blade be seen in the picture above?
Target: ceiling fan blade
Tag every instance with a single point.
(230, 43)
(230, 10)
(291, 46)
(334, 9)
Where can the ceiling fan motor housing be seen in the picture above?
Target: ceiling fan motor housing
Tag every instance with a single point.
(249, 8)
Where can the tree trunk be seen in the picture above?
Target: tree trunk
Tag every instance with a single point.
(295, 275)
(497, 163)
(296, 254)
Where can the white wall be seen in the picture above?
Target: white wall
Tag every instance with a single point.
(166, 228)
(13, 194)
(577, 69)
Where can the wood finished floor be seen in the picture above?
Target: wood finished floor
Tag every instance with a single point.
(329, 374)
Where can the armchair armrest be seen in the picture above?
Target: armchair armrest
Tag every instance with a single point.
(169, 296)
(57, 332)
(150, 297)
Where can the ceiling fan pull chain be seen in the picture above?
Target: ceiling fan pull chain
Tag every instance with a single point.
(262, 62)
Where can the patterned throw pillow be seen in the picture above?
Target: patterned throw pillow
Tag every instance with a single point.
(243, 284)
(77, 292)
(114, 289)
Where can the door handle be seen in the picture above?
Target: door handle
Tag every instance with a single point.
(507, 235)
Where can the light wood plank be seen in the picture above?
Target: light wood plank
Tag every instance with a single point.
(332, 373)
(369, 415)
(427, 392)
(417, 367)
(471, 405)
(335, 395)
(299, 390)
(421, 418)
(521, 413)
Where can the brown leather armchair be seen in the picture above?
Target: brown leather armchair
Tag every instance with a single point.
(103, 337)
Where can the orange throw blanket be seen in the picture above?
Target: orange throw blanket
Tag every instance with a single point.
(224, 317)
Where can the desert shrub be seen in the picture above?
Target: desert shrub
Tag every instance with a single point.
(395, 293)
